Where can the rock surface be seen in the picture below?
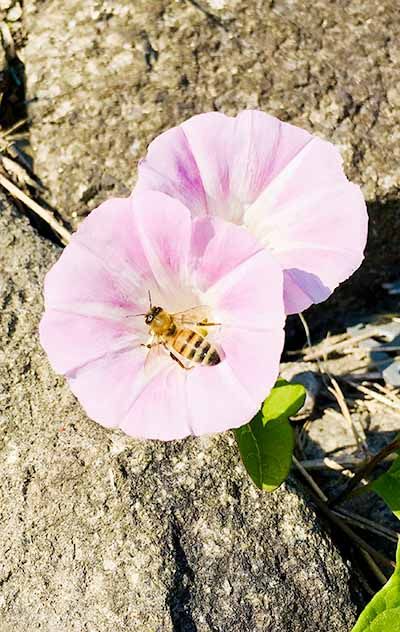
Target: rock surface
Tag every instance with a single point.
(104, 78)
(103, 533)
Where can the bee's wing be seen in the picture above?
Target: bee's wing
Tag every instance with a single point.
(198, 318)
(198, 315)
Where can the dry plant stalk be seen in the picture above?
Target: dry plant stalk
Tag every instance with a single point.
(378, 396)
(44, 214)
(358, 433)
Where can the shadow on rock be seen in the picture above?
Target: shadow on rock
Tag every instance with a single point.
(179, 596)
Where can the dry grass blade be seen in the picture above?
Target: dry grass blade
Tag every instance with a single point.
(319, 496)
(334, 348)
(16, 153)
(332, 464)
(45, 215)
(368, 525)
(338, 464)
(310, 480)
(365, 470)
(373, 375)
(374, 567)
(378, 396)
(394, 395)
(306, 330)
(358, 432)
(14, 128)
(20, 174)
(8, 41)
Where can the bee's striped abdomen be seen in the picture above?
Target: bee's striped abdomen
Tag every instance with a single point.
(195, 347)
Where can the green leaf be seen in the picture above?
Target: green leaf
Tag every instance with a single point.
(266, 443)
(382, 614)
(388, 486)
(285, 400)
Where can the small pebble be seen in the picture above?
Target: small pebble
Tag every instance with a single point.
(15, 13)
(392, 374)
(5, 4)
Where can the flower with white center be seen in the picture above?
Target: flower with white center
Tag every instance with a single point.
(95, 333)
(284, 185)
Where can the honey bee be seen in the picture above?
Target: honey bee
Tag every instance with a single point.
(184, 335)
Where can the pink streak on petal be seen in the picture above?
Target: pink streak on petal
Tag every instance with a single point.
(164, 226)
(252, 155)
(291, 140)
(209, 137)
(90, 338)
(160, 411)
(170, 167)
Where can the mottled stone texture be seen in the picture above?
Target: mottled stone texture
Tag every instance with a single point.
(101, 533)
(106, 77)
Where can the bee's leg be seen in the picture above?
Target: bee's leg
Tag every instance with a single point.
(153, 343)
(187, 368)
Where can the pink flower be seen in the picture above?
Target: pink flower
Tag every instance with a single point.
(286, 186)
(92, 334)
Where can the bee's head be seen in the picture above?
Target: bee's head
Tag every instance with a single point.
(151, 314)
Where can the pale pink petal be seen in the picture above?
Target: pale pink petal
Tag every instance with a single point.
(91, 270)
(237, 387)
(250, 295)
(252, 320)
(226, 404)
(106, 387)
(209, 137)
(317, 234)
(218, 247)
(89, 338)
(93, 288)
(102, 278)
(208, 399)
(251, 354)
(251, 335)
(162, 409)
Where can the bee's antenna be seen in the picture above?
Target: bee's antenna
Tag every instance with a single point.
(134, 315)
(151, 306)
